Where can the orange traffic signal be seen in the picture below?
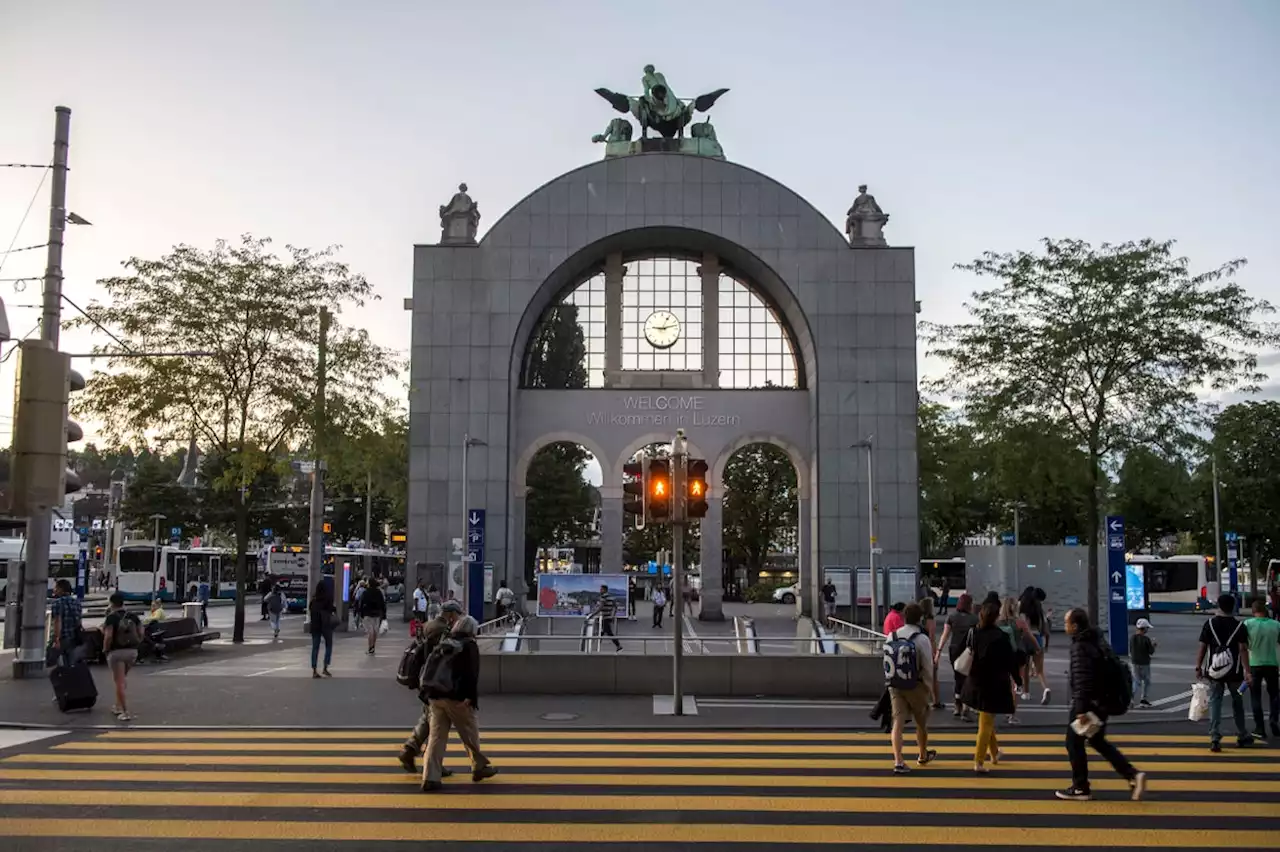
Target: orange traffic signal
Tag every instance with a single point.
(659, 490)
(696, 477)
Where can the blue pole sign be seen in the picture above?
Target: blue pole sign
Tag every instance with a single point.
(1117, 611)
(1072, 541)
(82, 573)
(474, 547)
(1233, 562)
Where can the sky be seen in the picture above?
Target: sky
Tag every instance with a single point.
(982, 125)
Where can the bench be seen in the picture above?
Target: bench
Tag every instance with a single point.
(175, 634)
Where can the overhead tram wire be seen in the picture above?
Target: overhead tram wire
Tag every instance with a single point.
(25, 214)
(98, 325)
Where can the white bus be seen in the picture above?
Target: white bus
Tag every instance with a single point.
(180, 567)
(63, 561)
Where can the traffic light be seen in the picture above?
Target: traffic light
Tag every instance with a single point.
(696, 479)
(40, 477)
(635, 488)
(659, 486)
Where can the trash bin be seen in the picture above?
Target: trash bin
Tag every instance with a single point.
(191, 610)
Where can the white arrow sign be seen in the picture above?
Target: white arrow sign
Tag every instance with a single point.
(1116, 577)
(1116, 526)
(475, 519)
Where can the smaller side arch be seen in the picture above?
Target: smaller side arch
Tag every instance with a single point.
(631, 449)
(519, 482)
(793, 452)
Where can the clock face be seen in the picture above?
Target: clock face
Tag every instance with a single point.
(662, 329)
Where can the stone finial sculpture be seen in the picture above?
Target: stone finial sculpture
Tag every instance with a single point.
(459, 219)
(619, 130)
(865, 223)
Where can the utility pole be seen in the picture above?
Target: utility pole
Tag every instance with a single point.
(679, 457)
(29, 659)
(1217, 542)
(368, 521)
(315, 567)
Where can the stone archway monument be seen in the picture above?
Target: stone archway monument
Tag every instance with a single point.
(705, 296)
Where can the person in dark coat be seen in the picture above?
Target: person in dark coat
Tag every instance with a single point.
(989, 685)
(322, 615)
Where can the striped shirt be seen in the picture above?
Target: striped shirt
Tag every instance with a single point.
(607, 607)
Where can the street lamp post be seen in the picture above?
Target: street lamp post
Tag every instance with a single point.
(156, 519)
(871, 526)
(467, 443)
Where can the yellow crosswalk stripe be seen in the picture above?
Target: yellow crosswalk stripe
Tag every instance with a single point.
(509, 802)
(629, 748)
(650, 832)
(610, 762)
(997, 780)
(1120, 737)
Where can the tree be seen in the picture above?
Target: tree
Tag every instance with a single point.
(1246, 443)
(369, 459)
(559, 506)
(1113, 343)
(955, 492)
(1154, 493)
(558, 352)
(1039, 466)
(255, 313)
(760, 504)
(154, 490)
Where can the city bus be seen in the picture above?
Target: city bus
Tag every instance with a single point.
(1179, 583)
(951, 570)
(64, 559)
(138, 579)
(288, 567)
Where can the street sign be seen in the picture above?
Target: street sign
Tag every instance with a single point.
(1072, 541)
(1117, 612)
(266, 533)
(1233, 566)
(475, 535)
(1006, 538)
(82, 574)
(1231, 537)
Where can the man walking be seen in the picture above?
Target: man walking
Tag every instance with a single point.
(828, 599)
(1264, 634)
(457, 707)
(1090, 708)
(908, 667)
(1225, 641)
(607, 608)
(1141, 649)
(659, 605)
(66, 628)
(429, 635)
(372, 608)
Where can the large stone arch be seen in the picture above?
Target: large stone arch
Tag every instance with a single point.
(850, 312)
(521, 471)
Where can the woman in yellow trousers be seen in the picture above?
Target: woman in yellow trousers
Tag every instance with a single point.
(989, 686)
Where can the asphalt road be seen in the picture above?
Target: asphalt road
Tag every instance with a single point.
(124, 791)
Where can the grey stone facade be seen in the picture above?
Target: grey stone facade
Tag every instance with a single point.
(851, 313)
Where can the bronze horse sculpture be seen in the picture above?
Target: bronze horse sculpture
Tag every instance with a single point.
(658, 108)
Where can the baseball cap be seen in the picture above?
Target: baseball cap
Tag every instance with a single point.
(1143, 624)
(452, 606)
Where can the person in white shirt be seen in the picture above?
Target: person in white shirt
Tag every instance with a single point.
(504, 599)
(420, 602)
(910, 684)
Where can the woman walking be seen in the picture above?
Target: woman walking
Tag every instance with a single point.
(322, 616)
(1018, 634)
(1032, 611)
(989, 686)
(955, 638)
(927, 622)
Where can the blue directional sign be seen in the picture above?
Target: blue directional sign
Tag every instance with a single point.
(267, 533)
(1231, 537)
(82, 573)
(1233, 567)
(1072, 541)
(475, 535)
(1006, 538)
(1117, 610)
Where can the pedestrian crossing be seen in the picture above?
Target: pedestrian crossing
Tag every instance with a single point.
(663, 789)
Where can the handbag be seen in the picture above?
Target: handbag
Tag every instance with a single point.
(964, 662)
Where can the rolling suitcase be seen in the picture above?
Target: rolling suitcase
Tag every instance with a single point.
(73, 687)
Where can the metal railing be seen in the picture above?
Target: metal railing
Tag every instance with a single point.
(503, 624)
(744, 632)
(865, 639)
(590, 642)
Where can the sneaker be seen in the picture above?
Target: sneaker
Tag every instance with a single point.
(406, 758)
(315, 674)
(431, 786)
(1244, 742)
(115, 711)
(927, 757)
(125, 717)
(1145, 703)
(1044, 699)
(1260, 735)
(484, 772)
(327, 673)
(1026, 696)
(998, 756)
(900, 769)
(1215, 747)
(1074, 794)
(1139, 786)
(1014, 720)
(979, 769)
(369, 653)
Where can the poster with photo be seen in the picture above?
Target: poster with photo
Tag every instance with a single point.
(575, 595)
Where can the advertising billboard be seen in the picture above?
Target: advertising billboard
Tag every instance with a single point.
(574, 595)
(1135, 587)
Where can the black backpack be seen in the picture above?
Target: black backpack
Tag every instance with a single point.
(128, 632)
(409, 674)
(438, 679)
(1115, 681)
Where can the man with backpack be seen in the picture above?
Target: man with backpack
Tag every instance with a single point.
(1101, 687)
(121, 636)
(1225, 641)
(413, 661)
(372, 608)
(274, 603)
(908, 672)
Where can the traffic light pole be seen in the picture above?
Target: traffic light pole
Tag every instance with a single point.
(678, 504)
(29, 659)
(315, 565)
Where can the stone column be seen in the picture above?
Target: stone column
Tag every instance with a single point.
(515, 568)
(712, 564)
(806, 567)
(710, 272)
(614, 272)
(611, 529)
